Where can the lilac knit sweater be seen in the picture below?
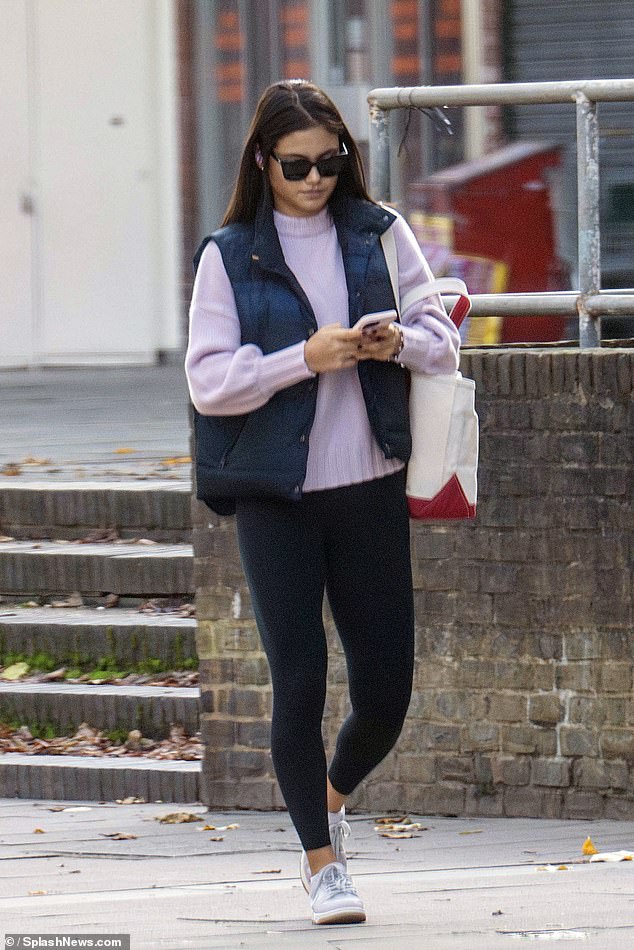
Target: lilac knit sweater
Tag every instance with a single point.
(226, 378)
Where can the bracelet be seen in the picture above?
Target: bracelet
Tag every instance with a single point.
(401, 343)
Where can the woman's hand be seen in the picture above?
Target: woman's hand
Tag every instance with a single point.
(381, 344)
(332, 348)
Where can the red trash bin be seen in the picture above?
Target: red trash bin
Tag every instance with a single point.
(501, 208)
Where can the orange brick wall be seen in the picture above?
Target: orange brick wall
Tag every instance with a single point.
(295, 35)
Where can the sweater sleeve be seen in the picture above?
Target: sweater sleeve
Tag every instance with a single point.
(431, 342)
(224, 377)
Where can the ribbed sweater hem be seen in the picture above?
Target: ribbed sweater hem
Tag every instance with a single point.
(345, 466)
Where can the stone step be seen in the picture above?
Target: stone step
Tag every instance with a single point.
(81, 636)
(103, 779)
(159, 510)
(151, 709)
(49, 567)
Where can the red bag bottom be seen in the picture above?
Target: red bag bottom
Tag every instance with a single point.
(449, 504)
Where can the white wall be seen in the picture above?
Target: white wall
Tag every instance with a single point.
(16, 306)
(101, 173)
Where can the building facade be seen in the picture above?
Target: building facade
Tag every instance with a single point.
(348, 47)
(126, 122)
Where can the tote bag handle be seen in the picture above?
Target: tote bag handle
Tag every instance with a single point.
(443, 285)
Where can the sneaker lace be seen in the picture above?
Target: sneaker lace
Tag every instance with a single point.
(338, 835)
(336, 882)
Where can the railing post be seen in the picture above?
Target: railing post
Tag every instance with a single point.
(379, 153)
(588, 222)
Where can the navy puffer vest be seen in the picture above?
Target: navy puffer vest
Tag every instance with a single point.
(264, 452)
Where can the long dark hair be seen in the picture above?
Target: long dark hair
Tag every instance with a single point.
(290, 106)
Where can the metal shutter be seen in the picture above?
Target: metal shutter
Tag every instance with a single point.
(553, 40)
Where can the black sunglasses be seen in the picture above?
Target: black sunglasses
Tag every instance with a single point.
(296, 169)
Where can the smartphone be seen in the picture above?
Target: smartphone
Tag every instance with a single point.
(373, 321)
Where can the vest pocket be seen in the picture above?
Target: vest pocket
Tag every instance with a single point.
(231, 445)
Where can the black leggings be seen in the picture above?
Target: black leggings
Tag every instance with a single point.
(354, 543)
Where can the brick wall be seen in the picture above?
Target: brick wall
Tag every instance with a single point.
(522, 700)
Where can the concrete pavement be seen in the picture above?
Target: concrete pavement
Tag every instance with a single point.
(461, 884)
(104, 423)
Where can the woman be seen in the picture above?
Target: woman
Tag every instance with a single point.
(303, 424)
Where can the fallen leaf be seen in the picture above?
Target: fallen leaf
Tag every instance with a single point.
(130, 800)
(15, 671)
(134, 739)
(39, 831)
(54, 675)
(181, 460)
(167, 605)
(612, 856)
(124, 450)
(117, 836)
(398, 834)
(207, 828)
(221, 838)
(478, 832)
(91, 742)
(588, 847)
(392, 820)
(178, 818)
(100, 536)
(411, 826)
(5, 537)
(11, 468)
(36, 893)
(86, 731)
(271, 871)
(73, 600)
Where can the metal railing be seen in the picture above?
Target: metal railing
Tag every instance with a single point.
(590, 303)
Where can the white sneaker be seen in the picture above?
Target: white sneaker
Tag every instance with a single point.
(333, 897)
(339, 831)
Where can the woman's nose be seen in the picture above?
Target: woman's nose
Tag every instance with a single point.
(313, 175)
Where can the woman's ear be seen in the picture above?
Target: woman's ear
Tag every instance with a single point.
(259, 158)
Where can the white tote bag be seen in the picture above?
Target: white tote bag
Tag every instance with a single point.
(442, 470)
